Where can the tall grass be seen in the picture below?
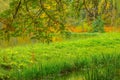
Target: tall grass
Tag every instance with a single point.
(98, 56)
(103, 68)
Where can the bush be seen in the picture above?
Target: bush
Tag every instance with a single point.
(98, 25)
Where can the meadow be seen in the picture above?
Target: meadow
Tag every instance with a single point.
(96, 55)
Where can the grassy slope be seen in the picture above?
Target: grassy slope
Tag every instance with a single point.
(34, 61)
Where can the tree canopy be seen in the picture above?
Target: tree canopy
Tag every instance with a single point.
(42, 18)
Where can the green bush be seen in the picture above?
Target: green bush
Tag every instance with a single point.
(98, 25)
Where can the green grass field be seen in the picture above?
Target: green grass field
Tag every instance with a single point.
(98, 57)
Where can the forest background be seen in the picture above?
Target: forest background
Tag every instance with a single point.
(48, 20)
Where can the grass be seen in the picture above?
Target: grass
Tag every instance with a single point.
(96, 55)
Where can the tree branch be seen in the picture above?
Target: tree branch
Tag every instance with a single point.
(17, 9)
(84, 2)
(50, 17)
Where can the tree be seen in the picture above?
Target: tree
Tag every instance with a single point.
(40, 19)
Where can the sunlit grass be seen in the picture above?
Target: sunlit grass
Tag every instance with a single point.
(37, 61)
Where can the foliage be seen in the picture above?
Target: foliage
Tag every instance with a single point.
(40, 18)
(98, 25)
